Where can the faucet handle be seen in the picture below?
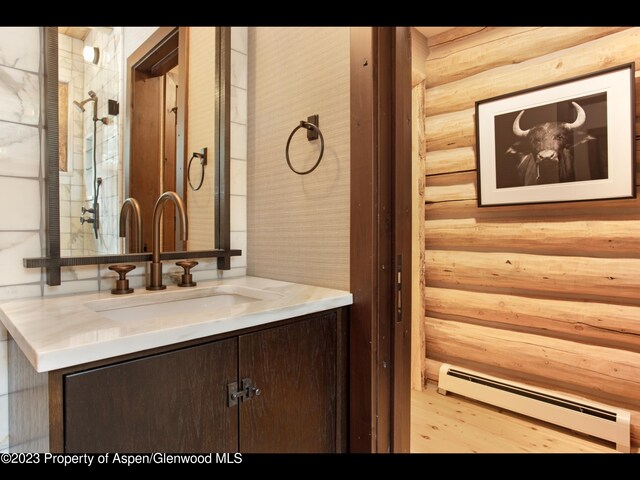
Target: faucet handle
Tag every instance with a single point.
(122, 284)
(187, 278)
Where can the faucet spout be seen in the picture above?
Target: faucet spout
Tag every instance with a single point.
(155, 281)
(131, 207)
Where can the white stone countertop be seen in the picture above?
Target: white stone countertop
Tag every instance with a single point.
(62, 331)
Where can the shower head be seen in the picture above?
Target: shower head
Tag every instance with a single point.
(92, 98)
(79, 105)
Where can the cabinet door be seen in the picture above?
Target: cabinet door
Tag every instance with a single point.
(295, 367)
(171, 402)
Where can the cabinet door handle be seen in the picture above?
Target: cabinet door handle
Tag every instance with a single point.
(245, 393)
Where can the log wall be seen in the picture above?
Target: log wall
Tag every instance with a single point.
(544, 294)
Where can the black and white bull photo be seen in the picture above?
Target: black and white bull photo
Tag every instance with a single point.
(545, 152)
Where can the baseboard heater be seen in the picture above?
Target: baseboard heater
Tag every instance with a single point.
(596, 419)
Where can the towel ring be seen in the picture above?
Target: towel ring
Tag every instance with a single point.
(203, 161)
(308, 126)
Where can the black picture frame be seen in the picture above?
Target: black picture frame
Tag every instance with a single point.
(567, 141)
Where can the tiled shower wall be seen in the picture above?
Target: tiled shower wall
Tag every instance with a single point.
(71, 71)
(21, 185)
(104, 80)
(238, 187)
(76, 184)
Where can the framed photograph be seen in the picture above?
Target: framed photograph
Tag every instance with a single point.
(562, 142)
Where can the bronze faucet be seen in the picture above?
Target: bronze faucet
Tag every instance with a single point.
(131, 205)
(155, 279)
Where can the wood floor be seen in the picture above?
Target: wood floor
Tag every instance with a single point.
(455, 424)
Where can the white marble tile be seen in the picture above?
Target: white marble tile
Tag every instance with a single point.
(65, 66)
(19, 150)
(69, 288)
(65, 209)
(64, 189)
(238, 105)
(79, 272)
(65, 43)
(20, 47)
(76, 193)
(77, 46)
(239, 141)
(76, 209)
(19, 204)
(239, 241)
(238, 213)
(137, 282)
(14, 246)
(19, 96)
(239, 39)
(205, 275)
(235, 272)
(4, 384)
(65, 238)
(12, 292)
(4, 422)
(238, 70)
(238, 179)
(65, 227)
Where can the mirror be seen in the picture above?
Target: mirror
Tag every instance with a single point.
(123, 94)
(127, 109)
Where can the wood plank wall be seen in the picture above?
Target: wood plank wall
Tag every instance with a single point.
(545, 294)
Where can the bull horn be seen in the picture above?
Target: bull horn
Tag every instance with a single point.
(517, 131)
(580, 119)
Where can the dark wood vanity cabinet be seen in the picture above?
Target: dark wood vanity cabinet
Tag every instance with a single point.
(177, 399)
(172, 401)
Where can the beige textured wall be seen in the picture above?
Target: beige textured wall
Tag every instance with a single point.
(201, 124)
(298, 225)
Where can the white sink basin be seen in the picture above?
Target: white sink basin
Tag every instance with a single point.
(175, 303)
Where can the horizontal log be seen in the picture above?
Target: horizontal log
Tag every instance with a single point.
(602, 210)
(433, 369)
(493, 48)
(603, 324)
(450, 130)
(455, 160)
(453, 34)
(417, 77)
(607, 372)
(450, 161)
(451, 186)
(447, 193)
(609, 51)
(581, 277)
(457, 130)
(606, 239)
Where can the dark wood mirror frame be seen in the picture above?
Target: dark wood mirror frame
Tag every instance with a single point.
(52, 262)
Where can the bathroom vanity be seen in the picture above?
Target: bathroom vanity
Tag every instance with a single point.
(245, 364)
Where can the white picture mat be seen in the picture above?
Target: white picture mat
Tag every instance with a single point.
(619, 145)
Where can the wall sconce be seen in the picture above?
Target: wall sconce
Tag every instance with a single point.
(91, 54)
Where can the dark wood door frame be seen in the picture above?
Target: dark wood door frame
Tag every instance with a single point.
(380, 320)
